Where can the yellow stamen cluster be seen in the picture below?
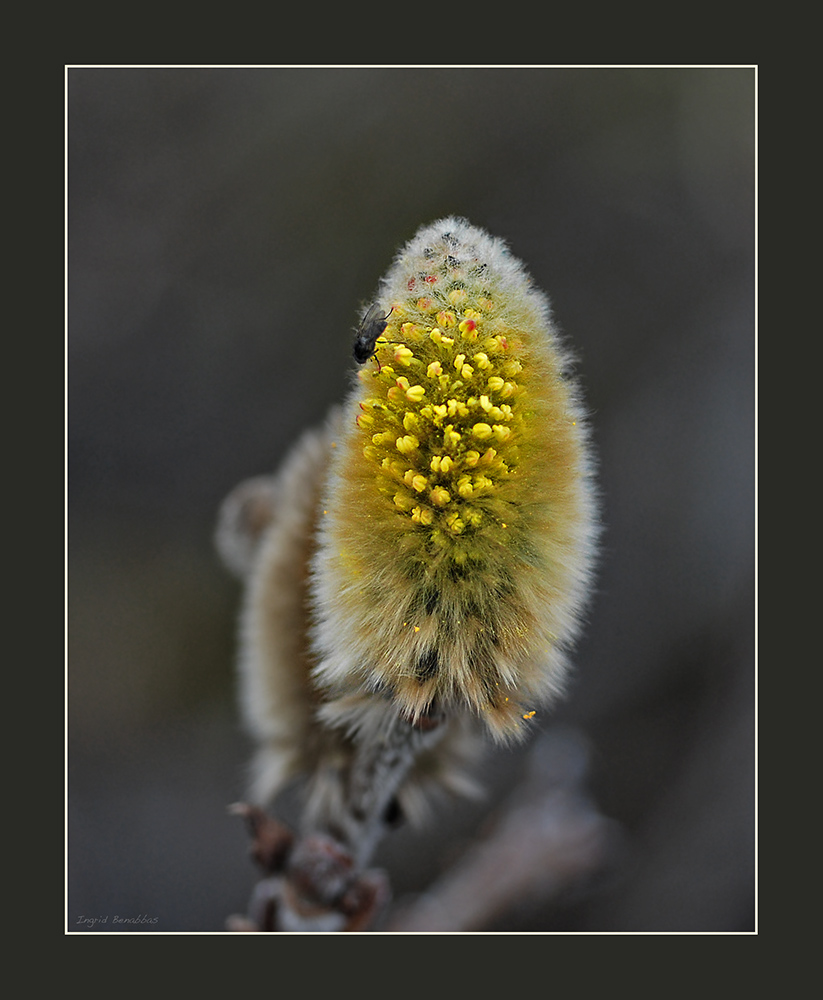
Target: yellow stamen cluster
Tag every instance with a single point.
(447, 416)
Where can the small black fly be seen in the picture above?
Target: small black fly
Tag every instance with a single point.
(371, 327)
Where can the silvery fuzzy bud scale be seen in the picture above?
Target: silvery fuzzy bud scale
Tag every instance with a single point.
(420, 567)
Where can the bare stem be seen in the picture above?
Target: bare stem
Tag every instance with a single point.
(317, 880)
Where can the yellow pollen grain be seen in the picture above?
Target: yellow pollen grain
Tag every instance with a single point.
(441, 463)
(451, 437)
(422, 515)
(529, 715)
(407, 444)
(464, 487)
(455, 524)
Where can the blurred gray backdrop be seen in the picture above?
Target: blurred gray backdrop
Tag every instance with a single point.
(224, 227)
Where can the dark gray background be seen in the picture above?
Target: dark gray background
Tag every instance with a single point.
(224, 227)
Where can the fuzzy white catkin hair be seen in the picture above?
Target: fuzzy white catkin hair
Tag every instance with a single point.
(429, 552)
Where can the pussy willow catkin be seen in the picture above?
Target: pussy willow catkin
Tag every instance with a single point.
(456, 532)
(424, 559)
